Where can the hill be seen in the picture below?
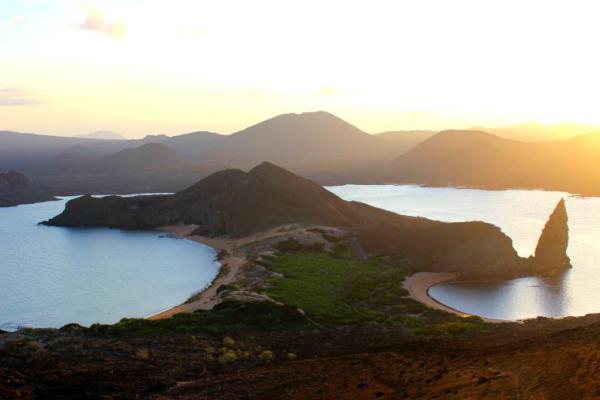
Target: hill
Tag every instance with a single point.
(147, 157)
(405, 140)
(304, 142)
(318, 145)
(16, 188)
(190, 144)
(481, 159)
(25, 149)
(238, 204)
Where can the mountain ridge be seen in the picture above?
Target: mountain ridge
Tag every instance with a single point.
(484, 160)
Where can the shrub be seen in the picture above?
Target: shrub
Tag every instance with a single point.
(266, 356)
(228, 342)
(336, 291)
(142, 354)
(72, 328)
(472, 318)
(449, 328)
(227, 357)
(223, 318)
(209, 350)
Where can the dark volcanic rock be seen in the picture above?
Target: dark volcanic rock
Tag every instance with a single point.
(551, 250)
(229, 202)
(236, 203)
(475, 249)
(16, 188)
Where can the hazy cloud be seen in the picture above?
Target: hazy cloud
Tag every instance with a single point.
(327, 91)
(96, 21)
(17, 97)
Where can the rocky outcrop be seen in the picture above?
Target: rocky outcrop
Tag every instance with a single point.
(230, 202)
(551, 251)
(474, 249)
(16, 188)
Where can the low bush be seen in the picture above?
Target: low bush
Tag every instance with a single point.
(225, 317)
(228, 356)
(228, 342)
(266, 356)
(334, 290)
(449, 328)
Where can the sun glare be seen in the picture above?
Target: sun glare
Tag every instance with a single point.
(140, 66)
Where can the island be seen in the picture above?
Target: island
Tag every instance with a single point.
(16, 188)
(251, 215)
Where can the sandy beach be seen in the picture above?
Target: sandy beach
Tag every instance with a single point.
(230, 265)
(418, 286)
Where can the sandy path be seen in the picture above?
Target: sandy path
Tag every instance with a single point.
(418, 286)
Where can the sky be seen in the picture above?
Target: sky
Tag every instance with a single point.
(151, 66)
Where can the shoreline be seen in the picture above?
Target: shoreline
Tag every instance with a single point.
(230, 265)
(419, 284)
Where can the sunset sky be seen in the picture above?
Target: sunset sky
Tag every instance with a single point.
(140, 67)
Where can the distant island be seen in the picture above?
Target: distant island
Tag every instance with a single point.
(16, 188)
(483, 160)
(316, 145)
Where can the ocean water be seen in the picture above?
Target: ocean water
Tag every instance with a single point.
(51, 276)
(521, 214)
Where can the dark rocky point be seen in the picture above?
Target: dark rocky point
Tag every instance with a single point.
(551, 251)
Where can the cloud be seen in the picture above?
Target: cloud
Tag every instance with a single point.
(96, 21)
(17, 97)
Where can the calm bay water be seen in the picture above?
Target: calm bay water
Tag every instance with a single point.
(521, 214)
(50, 276)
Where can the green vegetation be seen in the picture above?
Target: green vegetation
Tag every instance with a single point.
(225, 317)
(336, 289)
(228, 356)
(266, 356)
(451, 328)
(329, 288)
(228, 342)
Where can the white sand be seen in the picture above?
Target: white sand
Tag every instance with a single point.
(418, 286)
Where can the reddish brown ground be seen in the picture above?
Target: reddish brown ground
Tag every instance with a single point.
(539, 360)
(560, 366)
